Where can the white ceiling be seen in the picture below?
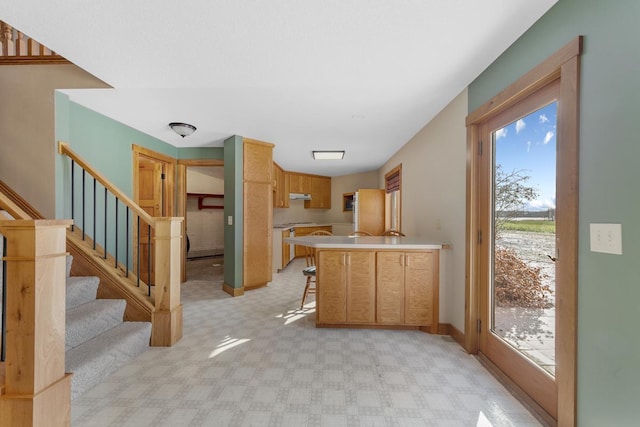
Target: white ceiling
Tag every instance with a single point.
(358, 75)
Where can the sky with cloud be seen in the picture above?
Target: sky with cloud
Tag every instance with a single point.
(529, 145)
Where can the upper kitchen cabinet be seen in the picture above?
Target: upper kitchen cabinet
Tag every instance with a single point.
(320, 193)
(299, 182)
(280, 187)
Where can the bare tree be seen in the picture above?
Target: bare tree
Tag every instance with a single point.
(511, 192)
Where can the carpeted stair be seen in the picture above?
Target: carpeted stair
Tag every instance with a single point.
(97, 340)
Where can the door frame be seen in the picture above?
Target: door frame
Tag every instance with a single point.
(181, 201)
(564, 66)
(169, 164)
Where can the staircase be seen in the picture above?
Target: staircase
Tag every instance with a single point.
(97, 341)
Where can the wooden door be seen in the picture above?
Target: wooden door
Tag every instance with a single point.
(361, 287)
(331, 287)
(390, 287)
(150, 182)
(515, 332)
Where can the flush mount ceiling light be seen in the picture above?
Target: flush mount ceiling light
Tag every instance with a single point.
(182, 129)
(328, 155)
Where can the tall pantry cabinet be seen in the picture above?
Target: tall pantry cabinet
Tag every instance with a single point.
(258, 213)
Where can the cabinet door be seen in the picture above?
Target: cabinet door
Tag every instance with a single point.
(361, 287)
(276, 187)
(285, 189)
(320, 193)
(390, 287)
(299, 182)
(325, 196)
(258, 165)
(419, 288)
(316, 193)
(258, 213)
(258, 230)
(301, 231)
(331, 293)
(286, 248)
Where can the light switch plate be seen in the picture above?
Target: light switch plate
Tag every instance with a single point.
(606, 238)
(230, 220)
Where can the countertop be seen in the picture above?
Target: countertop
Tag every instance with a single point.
(366, 242)
(301, 224)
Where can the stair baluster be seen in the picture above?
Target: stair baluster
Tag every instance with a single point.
(112, 251)
(3, 330)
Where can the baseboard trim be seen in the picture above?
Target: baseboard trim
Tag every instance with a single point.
(455, 333)
(536, 410)
(234, 292)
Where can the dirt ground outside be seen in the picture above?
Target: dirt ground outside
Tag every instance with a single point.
(531, 331)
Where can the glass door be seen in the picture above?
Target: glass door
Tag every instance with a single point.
(520, 206)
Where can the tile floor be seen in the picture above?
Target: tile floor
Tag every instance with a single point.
(256, 360)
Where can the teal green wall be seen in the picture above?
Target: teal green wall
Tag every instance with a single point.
(106, 145)
(201, 153)
(233, 207)
(608, 285)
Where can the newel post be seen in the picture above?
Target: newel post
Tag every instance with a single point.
(37, 390)
(167, 316)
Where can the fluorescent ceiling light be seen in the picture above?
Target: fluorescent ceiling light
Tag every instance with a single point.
(328, 155)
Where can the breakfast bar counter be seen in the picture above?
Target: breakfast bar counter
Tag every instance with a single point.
(376, 281)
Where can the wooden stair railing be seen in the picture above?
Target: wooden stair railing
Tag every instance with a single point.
(17, 48)
(37, 392)
(34, 388)
(162, 306)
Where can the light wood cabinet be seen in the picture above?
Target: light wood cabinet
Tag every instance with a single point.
(370, 211)
(347, 294)
(406, 287)
(305, 231)
(286, 248)
(378, 287)
(280, 187)
(299, 182)
(320, 193)
(318, 186)
(258, 213)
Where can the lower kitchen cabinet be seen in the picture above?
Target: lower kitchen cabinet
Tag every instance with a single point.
(347, 293)
(377, 287)
(406, 288)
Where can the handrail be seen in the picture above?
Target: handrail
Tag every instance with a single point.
(63, 148)
(161, 247)
(10, 206)
(18, 48)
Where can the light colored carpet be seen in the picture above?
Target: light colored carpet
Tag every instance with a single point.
(97, 342)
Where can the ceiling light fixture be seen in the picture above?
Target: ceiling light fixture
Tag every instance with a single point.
(328, 155)
(182, 129)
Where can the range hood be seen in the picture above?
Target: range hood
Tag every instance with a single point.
(299, 196)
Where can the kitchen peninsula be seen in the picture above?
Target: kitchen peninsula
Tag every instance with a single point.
(376, 281)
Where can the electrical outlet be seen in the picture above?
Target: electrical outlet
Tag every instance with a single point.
(230, 220)
(606, 238)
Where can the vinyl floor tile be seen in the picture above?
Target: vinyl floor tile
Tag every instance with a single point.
(257, 360)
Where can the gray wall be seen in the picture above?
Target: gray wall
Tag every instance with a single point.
(608, 285)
